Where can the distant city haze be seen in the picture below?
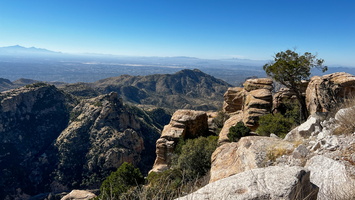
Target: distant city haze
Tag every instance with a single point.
(226, 29)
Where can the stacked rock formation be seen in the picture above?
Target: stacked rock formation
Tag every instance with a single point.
(184, 124)
(247, 104)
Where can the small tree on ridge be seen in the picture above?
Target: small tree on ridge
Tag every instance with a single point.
(289, 68)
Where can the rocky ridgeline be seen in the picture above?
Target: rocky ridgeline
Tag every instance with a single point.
(186, 89)
(314, 161)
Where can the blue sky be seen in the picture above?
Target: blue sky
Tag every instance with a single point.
(249, 29)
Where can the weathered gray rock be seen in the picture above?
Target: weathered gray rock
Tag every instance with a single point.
(305, 130)
(273, 182)
(300, 152)
(248, 153)
(79, 195)
(332, 178)
(184, 124)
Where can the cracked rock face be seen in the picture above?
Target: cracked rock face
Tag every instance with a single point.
(248, 153)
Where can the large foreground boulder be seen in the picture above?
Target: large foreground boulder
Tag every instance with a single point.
(184, 124)
(273, 182)
(332, 178)
(248, 153)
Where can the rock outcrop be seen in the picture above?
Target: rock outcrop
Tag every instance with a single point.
(285, 96)
(317, 145)
(325, 92)
(102, 134)
(258, 83)
(248, 153)
(184, 124)
(306, 129)
(232, 121)
(233, 99)
(246, 104)
(292, 183)
(328, 154)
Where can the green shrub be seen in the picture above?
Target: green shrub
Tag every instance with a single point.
(165, 184)
(238, 131)
(292, 111)
(120, 182)
(195, 157)
(220, 119)
(274, 123)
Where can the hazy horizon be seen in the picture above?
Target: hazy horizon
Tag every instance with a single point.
(253, 30)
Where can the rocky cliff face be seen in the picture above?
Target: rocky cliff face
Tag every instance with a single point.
(50, 142)
(31, 118)
(102, 134)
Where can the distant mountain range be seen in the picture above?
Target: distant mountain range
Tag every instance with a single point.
(23, 50)
(18, 62)
(189, 89)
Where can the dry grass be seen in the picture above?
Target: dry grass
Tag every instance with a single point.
(277, 151)
(345, 117)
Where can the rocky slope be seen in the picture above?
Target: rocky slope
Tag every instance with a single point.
(102, 134)
(322, 147)
(27, 129)
(50, 142)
